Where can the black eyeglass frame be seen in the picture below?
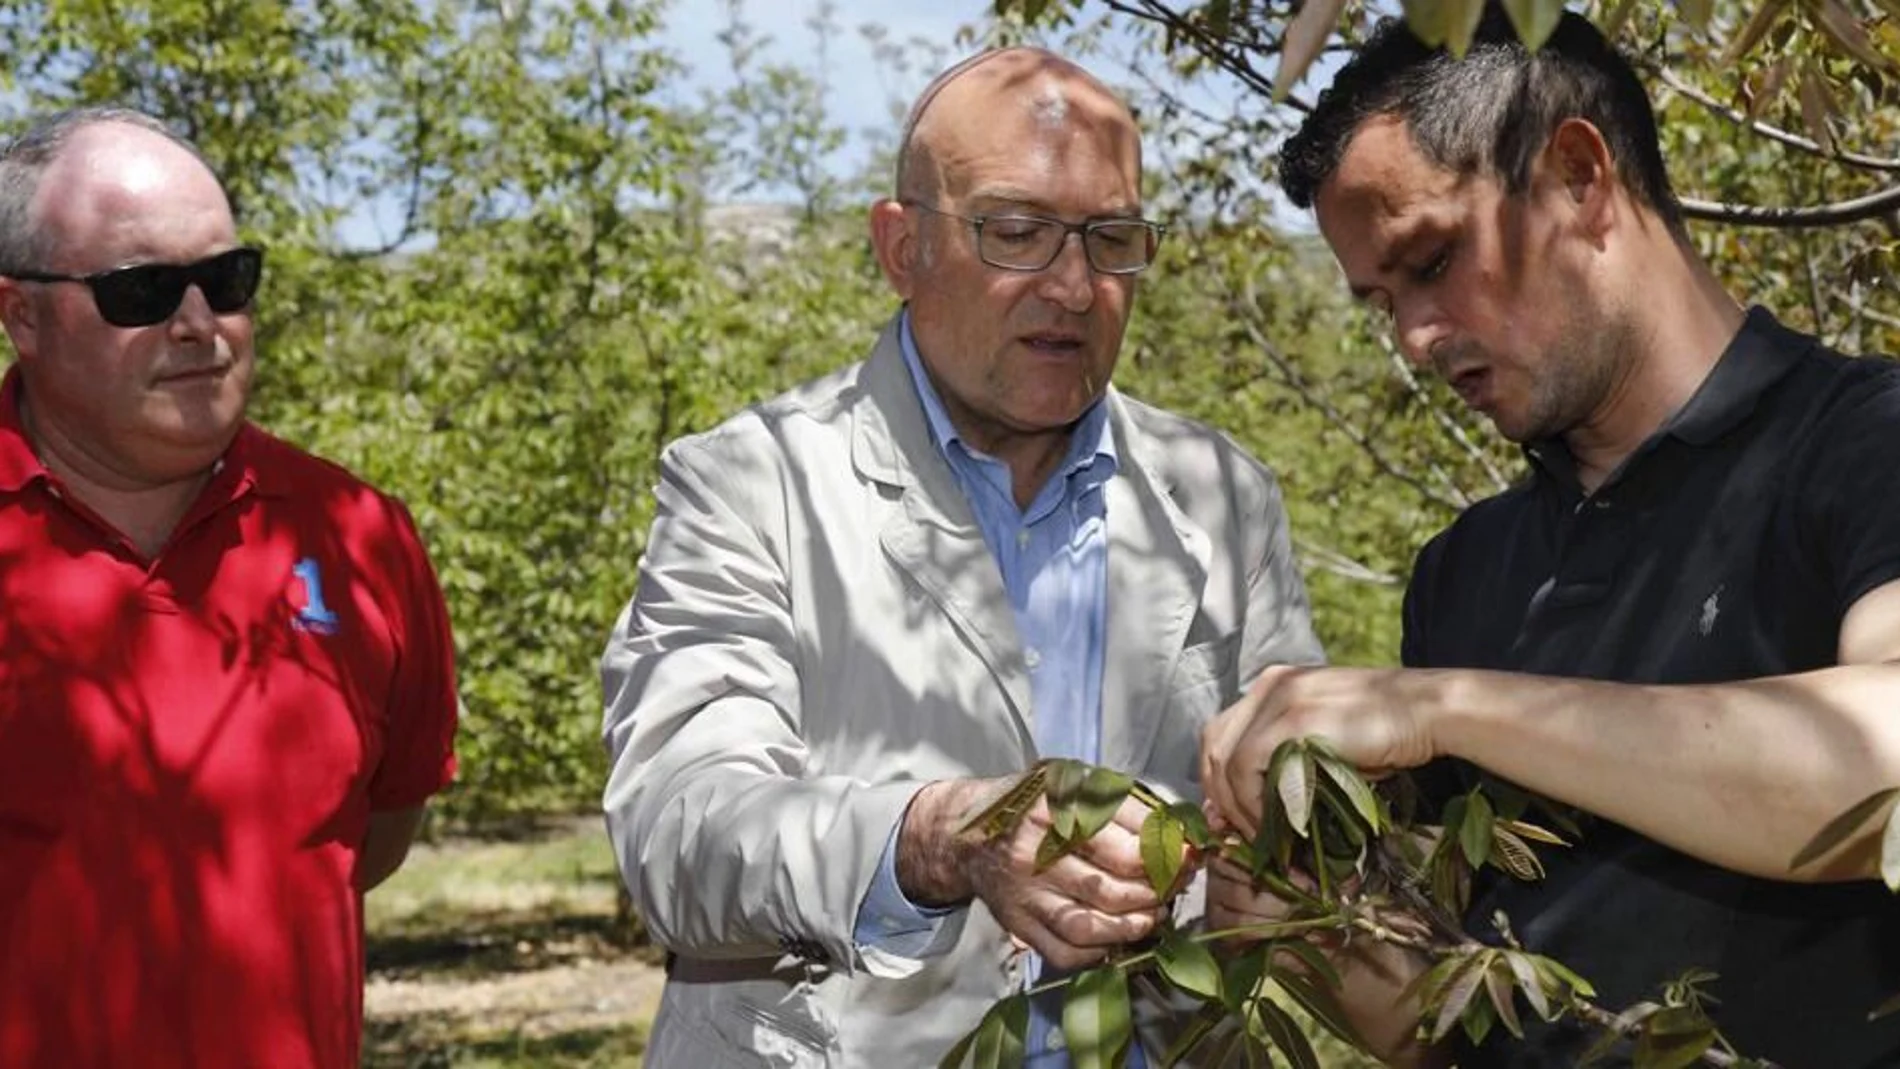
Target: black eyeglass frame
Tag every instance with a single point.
(144, 295)
(1155, 233)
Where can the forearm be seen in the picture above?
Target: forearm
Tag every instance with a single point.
(728, 862)
(1373, 978)
(1741, 775)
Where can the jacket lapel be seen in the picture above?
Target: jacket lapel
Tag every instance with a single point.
(1157, 571)
(933, 535)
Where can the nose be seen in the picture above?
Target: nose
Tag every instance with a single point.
(1069, 281)
(1419, 328)
(193, 317)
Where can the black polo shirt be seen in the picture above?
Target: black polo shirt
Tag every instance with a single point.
(1729, 546)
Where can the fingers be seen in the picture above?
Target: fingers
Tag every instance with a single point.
(1230, 774)
(1069, 934)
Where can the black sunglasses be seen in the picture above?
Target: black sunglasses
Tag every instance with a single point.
(144, 294)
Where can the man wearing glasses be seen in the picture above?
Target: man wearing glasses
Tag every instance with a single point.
(226, 678)
(866, 605)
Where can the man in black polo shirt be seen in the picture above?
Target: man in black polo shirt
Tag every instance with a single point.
(1685, 621)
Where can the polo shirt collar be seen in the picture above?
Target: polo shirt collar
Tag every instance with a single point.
(1090, 441)
(1761, 352)
(19, 464)
(238, 471)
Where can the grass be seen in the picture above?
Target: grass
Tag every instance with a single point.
(506, 954)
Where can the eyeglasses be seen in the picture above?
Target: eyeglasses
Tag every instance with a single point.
(1032, 242)
(144, 294)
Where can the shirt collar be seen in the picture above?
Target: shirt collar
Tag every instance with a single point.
(1091, 438)
(1761, 352)
(19, 464)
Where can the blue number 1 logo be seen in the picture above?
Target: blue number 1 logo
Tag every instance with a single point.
(315, 615)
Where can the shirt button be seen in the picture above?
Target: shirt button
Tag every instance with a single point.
(1022, 538)
(1032, 659)
(1053, 1041)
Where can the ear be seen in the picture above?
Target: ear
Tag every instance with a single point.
(895, 240)
(20, 314)
(1579, 160)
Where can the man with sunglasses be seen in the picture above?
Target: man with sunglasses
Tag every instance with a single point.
(867, 605)
(226, 678)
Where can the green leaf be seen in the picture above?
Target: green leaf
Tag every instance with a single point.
(1006, 812)
(1322, 1004)
(1452, 998)
(1163, 849)
(1188, 964)
(1674, 1037)
(1305, 36)
(1283, 1032)
(1053, 848)
(1000, 1039)
(1766, 15)
(1477, 1020)
(1309, 956)
(1451, 23)
(1530, 982)
(1066, 777)
(1474, 834)
(1534, 20)
(1357, 791)
(1841, 828)
(1099, 798)
(1096, 1020)
(1499, 983)
(1558, 973)
(961, 1052)
(1532, 832)
(1241, 977)
(1841, 27)
(1193, 822)
(1296, 785)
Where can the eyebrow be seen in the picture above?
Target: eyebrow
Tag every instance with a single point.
(1017, 198)
(1417, 232)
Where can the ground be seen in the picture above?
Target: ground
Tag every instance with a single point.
(502, 953)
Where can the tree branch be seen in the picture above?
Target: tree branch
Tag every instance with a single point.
(1839, 213)
(1773, 133)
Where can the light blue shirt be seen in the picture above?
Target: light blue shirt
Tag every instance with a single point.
(1053, 557)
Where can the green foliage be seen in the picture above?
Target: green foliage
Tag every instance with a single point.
(550, 308)
(1324, 821)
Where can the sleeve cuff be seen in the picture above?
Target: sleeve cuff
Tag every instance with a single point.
(894, 934)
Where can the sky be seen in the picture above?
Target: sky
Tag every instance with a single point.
(860, 92)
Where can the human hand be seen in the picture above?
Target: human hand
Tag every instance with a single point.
(1377, 719)
(1234, 900)
(1074, 912)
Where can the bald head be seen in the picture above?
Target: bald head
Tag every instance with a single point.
(1026, 93)
(78, 145)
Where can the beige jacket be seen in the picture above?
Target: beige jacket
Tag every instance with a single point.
(818, 630)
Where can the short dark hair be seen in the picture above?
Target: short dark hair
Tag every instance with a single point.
(1493, 111)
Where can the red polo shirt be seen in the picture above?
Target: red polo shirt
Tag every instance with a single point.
(190, 749)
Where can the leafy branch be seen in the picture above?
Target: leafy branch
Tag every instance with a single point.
(1349, 863)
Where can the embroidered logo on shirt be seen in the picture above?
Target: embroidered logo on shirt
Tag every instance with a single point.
(1711, 609)
(306, 597)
